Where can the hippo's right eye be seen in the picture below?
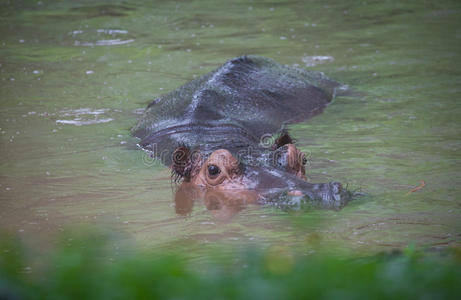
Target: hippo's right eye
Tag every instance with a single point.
(213, 170)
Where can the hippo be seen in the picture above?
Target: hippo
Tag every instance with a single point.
(224, 134)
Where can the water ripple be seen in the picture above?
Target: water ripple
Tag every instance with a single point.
(83, 116)
(100, 37)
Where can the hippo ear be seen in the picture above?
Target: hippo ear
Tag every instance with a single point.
(181, 163)
(282, 140)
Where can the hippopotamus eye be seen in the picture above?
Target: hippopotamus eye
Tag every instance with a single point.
(213, 170)
(304, 160)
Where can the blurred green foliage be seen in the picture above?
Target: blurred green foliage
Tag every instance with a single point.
(88, 267)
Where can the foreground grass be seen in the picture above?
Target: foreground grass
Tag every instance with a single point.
(89, 268)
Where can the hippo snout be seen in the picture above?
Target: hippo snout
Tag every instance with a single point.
(331, 195)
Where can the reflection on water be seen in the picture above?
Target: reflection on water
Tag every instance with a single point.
(65, 64)
(222, 205)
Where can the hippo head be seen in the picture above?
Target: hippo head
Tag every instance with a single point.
(275, 174)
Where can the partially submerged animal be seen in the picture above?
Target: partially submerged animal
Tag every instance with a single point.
(213, 132)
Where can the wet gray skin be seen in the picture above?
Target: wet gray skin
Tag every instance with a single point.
(273, 185)
(238, 107)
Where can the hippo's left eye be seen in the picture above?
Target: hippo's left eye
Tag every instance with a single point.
(213, 170)
(304, 160)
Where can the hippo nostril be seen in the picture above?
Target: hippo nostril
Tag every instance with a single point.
(340, 195)
(336, 187)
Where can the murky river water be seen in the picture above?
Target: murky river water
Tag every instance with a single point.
(75, 75)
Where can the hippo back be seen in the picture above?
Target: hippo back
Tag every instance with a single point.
(233, 106)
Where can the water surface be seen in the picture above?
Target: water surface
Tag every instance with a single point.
(75, 75)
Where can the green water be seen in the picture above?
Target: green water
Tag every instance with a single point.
(75, 75)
